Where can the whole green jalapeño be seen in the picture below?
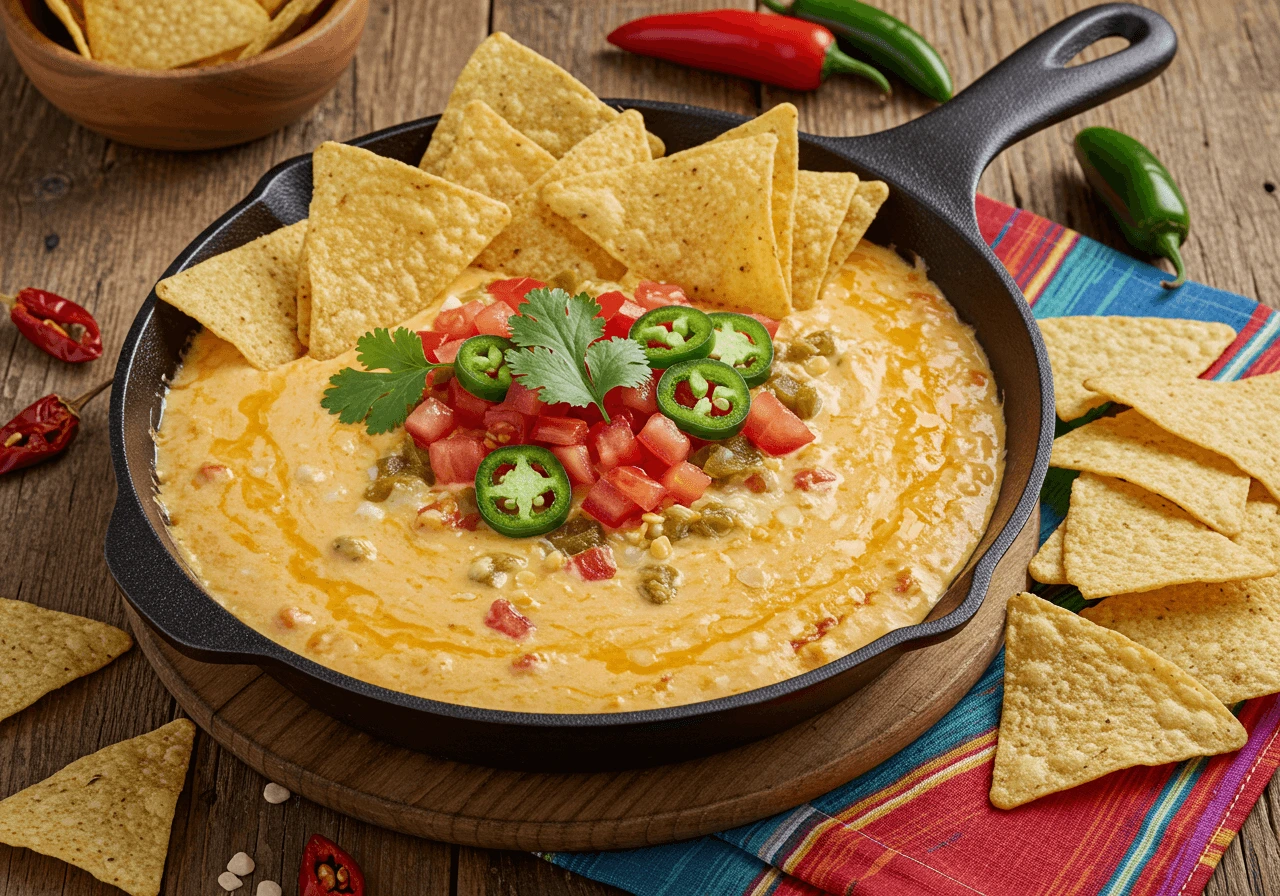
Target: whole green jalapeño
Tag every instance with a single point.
(673, 333)
(705, 398)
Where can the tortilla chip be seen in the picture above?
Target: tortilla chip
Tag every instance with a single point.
(822, 199)
(536, 96)
(1121, 538)
(1131, 447)
(303, 296)
(492, 157)
(74, 27)
(1047, 566)
(165, 34)
(385, 238)
(109, 813)
(247, 296)
(781, 121)
(866, 202)
(702, 218)
(1082, 701)
(271, 5)
(1084, 347)
(41, 650)
(1239, 420)
(538, 242)
(288, 23)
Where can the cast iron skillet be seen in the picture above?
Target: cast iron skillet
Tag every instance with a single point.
(932, 165)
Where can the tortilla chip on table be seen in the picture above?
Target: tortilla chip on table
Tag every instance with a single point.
(1047, 566)
(823, 200)
(492, 157)
(167, 34)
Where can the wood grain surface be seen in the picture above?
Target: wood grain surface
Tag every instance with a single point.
(99, 222)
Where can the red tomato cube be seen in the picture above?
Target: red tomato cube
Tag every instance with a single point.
(522, 400)
(446, 352)
(609, 303)
(594, 564)
(769, 324)
(772, 428)
(652, 465)
(431, 341)
(456, 458)
(608, 505)
(636, 485)
(664, 439)
(506, 427)
(813, 477)
(577, 463)
(559, 431)
(650, 295)
(504, 617)
(430, 421)
(643, 398)
(616, 445)
(620, 324)
(493, 320)
(468, 410)
(512, 292)
(460, 322)
(685, 483)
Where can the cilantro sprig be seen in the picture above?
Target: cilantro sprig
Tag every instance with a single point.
(391, 385)
(561, 352)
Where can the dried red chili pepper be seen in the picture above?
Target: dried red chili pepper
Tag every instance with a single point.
(327, 868)
(58, 326)
(42, 430)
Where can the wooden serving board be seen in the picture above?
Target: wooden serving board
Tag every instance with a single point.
(282, 737)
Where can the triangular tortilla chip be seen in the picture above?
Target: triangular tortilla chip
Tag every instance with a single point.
(109, 813)
(286, 24)
(866, 202)
(385, 239)
(1239, 420)
(822, 199)
(538, 242)
(702, 218)
(1047, 566)
(165, 34)
(247, 296)
(41, 650)
(1130, 447)
(303, 296)
(1089, 346)
(1082, 701)
(781, 121)
(1121, 538)
(492, 157)
(270, 5)
(536, 96)
(74, 27)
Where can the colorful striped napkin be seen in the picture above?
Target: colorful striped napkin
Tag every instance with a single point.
(921, 822)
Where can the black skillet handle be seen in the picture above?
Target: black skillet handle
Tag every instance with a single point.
(944, 152)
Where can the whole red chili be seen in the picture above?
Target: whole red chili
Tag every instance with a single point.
(778, 50)
(326, 868)
(42, 430)
(58, 326)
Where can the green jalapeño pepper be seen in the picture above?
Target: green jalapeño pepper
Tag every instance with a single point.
(743, 343)
(1139, 192)
(522, 491)
(673, 333)
(481, 367)
(705, 398)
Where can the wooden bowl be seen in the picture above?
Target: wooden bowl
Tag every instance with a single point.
(188, 108)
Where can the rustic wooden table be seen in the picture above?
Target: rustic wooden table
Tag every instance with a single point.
(100, 221)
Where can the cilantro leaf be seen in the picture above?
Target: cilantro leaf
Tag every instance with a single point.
(559, 353)
(381, 400)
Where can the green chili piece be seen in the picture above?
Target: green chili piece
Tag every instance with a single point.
(523, 490)
(1139, 192)
(744, 344)
(481, 367)
(673, 333)
(713, 403)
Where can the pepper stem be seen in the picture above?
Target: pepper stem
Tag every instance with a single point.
(8, 301)
(1169, 244)
(839, 61)
(777, 7)
(75, 404)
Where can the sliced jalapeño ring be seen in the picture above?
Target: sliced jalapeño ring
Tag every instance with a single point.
(705, 398)
(522, 491)
(481, 367)
(744, 344)
(673, 333)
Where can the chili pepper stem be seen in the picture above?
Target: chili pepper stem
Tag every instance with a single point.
(1169, 244)
(80, 401)
(8, 301)
(839, 61)
(780, 8)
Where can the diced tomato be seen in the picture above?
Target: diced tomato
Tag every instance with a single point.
(431, 340)
(609, 303)
(522, 400)
(594, 564)
(456, 458)
(559, 409)
(685, 483)
(504, 617)
(636, 485)
(506, 427)
(559, 431)
(820, 629)
(447, 510)
(608, 505)
(468, 409)
(530, 662)
(813, 477)
(590, 413)
(616, 445)
(772, 428)
(642, 398)
(577, 463)
(664, 439)
(769, 324)
(655, 467)
(493, 320)
(512, 292)
(620, 324)
(460, 322)
(430, 421)
(633, 419)
(756, 483)
(446, 352)
(650, 295)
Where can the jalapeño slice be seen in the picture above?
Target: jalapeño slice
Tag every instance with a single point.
(743, 343)
(707, 399)
(523, 490)
(673, 333)
(481, 367)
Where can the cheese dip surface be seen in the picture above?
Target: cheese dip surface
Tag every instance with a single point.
(289, 520)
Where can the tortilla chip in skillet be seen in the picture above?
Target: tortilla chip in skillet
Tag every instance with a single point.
(303, 296)
(822, 199)
(109, 813)
(74, 26)
(1239, 420)
(165, 34)
(1130, 447)
(247, 296)
(286, 24)
(537, 97)
(702, 218)
(866, 202)
(270, 5)
(1121, 538)
(781, 121)
(492, 157)
(1047, 565)
(1088, 346)
(384, 239)
(41, 650)
(538, 242)
(1081, 701)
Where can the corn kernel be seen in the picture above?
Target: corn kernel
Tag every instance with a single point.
(817, 365)
(553, 561)
(660, 549)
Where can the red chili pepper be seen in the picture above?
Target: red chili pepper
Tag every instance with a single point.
(779, 50)
(58, 326)
(42, 430)
(326, 868)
